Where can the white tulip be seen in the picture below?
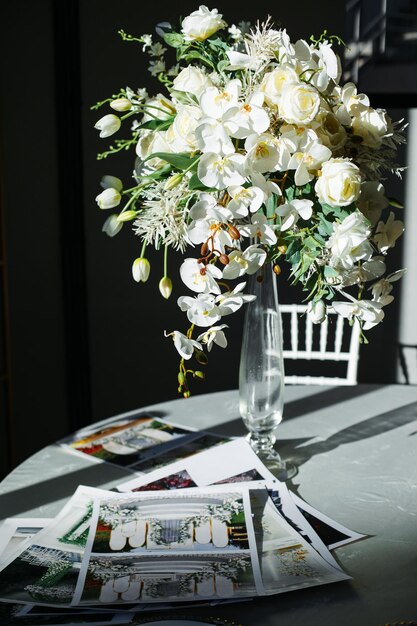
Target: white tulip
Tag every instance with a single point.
(112, 226)
(141, 269)
(108, 125)
(121, 104)
(339, 183)
(201, 24)
(317, 311)
(165, 287)
(109, 198)
(111, 181)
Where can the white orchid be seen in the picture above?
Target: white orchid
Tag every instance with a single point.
(267, 153)
(207, 220)
(214, 335)
(308, 162)
(220, 172)
(247, 118)
(231, 301)
(215, 103)
(290, 212)
(368, 311)
(381, 290)
(201, 310)
(387, 233)
(244, 200)
(246, 262)
(260, 229)
(185, 346)
(211, 136)
(199, 277)
(369, 270)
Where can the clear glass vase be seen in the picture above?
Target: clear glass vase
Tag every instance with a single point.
(261, 374)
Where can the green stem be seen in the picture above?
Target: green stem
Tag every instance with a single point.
(142, 252)
(166, 261)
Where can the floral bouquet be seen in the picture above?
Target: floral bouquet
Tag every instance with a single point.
(254, 155)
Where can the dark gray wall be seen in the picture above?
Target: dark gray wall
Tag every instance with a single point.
(87, 341)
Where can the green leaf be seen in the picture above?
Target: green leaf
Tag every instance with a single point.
(175, 40)
(158, 124)
(193, 54)
(290, 193)
(221, 65)
(325, 227)
(293, 252)
(271, 205)
(180, 161)
(195, 184)
(330, 272)
(395, 203)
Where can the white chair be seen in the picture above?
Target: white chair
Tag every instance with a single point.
(315, 345)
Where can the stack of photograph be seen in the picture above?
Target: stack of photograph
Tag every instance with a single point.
(199, 528)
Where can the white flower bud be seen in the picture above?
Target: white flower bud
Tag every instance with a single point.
(112, 226)
(111, 181)
(165, 287)
(108, 125)
(127, 216)
(173, 181)
(140, 270)
(121, 104)
(317, 311)
(109, 198)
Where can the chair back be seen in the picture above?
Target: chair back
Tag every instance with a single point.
(313, 342)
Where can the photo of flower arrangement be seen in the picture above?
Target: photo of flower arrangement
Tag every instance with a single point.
(167, 578)
(200, 523)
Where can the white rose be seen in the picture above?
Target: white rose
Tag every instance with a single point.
(372, 125)
(151, 142)
(339, 183)
(317, 311)
(201, 24)
(181, 135)
(330, 132)
(274, 82)
(349, 242)
(192, 80)
(299, 104)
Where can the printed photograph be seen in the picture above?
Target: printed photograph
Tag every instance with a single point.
(41, 574)
(124, 443)
(204, 522)
(117, 580)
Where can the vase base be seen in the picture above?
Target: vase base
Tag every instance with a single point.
(283, 470)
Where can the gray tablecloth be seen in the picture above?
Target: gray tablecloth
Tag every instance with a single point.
(356, 448)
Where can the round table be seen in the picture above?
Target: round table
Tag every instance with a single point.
(356, 449)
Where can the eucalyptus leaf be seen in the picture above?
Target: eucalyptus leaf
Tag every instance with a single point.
(175, 40)
(180, 161)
